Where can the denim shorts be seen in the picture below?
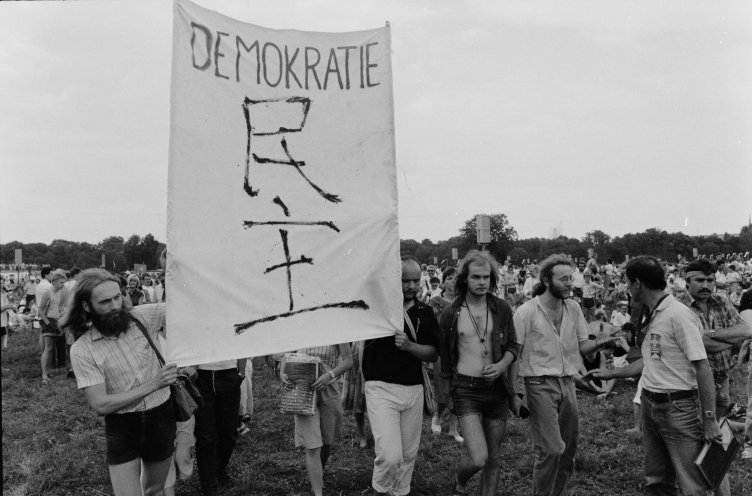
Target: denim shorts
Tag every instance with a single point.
(50, 330)
(477, 396)
(149, 435)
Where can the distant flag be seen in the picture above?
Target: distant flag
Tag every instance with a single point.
(686, 221)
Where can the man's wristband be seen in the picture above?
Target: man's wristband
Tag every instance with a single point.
(332, 374)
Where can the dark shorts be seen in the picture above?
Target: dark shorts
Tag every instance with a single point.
(2, 331)
(477, 396)
(148, 435)
(50, 330)
(588, 302)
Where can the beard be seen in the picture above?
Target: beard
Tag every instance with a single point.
(112, 323)
(561, 294)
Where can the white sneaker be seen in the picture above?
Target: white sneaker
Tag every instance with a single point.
(747, 453)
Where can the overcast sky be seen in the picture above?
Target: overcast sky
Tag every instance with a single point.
(610, 115)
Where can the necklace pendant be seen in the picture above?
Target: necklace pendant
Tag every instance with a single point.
(482, 341)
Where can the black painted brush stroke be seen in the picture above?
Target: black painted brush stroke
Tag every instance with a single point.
(353, 305)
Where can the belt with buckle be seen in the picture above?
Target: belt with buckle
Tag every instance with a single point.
(666, 397)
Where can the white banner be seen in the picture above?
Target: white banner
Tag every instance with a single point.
(282, 195)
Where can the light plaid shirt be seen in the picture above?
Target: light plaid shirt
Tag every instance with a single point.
(122, 363)
(721, 314)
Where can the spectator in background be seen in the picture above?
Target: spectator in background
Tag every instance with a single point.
(134, 292)
(65, 298)
(590, 291)
(49, 312)
(30, 290)
(5, 307)
(620, 315)
(147, 288)
(440, 386)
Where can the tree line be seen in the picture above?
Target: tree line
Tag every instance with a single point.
(120, 254)
(505, 242)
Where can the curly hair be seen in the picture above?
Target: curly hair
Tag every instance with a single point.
(547, 271)
(476, 257)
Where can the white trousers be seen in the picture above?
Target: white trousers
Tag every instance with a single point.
(396, 416)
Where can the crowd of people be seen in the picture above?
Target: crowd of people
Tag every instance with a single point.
(472, 335)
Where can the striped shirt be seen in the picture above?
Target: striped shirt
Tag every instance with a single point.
(329, 356)
(125, 362)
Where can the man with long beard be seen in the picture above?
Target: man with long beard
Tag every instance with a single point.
(552, 332)
(121, 377)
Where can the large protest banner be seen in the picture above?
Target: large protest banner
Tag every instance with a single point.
(282, 194)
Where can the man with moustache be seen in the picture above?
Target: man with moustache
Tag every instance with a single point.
(477, 344)
(394, 387)
(677, 385)
(121, 377)
(552, 333)
(723, 328)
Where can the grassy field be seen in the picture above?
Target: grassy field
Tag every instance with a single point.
(53, 444)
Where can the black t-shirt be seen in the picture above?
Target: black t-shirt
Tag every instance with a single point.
(746, 301)
(382, 361)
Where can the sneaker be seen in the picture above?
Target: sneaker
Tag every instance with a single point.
(747, 453)
(457, 437)
(243, 430)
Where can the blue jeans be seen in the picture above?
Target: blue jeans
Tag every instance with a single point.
(216, 424)
(672, 435)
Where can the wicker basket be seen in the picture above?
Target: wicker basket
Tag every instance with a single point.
(298, 397)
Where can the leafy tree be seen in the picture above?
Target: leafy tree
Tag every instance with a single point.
(113, 248)
(408, 247)
(596, 239)
(503, 235)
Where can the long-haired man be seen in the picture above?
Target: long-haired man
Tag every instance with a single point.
(122, 379)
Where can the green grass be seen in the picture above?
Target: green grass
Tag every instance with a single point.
(53, 444)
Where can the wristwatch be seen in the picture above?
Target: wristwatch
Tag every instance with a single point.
(709, 414)
(711, 333)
